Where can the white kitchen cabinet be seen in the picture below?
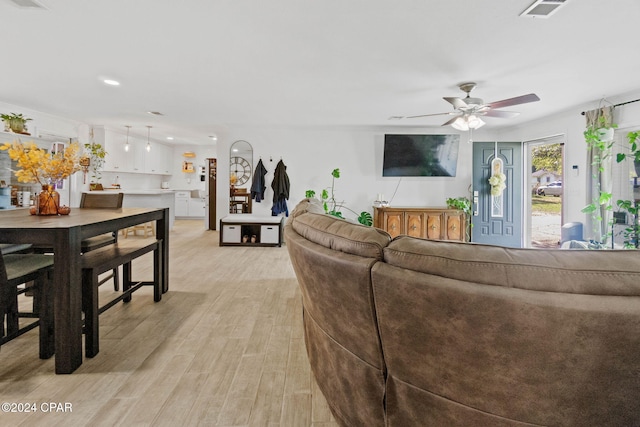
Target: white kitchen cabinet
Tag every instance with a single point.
(137, 159)
(188, 206)
(117, 159)
(196, 207)
(158, 160)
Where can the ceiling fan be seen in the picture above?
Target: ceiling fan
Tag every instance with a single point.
(468, 110)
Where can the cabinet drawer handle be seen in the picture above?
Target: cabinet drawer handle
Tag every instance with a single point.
(453, 227)
(433, 226)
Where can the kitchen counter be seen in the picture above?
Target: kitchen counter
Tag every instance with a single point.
(126, 191)
(155, 198)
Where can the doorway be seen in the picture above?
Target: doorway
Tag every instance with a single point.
(544, 182)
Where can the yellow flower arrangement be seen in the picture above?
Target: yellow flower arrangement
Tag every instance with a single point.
(38, 166)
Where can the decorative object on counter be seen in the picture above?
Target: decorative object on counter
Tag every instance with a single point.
(5, 196)
(48, 201)
(85, 162)
(15, 123)
(97, 154)
(38, 166)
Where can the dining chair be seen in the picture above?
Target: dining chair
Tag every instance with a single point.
(17, 269)
(15, 248)
(102, 201)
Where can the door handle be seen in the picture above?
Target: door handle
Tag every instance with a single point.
(475, 203)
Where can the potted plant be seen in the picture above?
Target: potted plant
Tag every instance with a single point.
(97, 155)
(332, 207)
(15, 122)
(462, 204)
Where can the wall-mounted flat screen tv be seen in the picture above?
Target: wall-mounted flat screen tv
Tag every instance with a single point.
(420, 155)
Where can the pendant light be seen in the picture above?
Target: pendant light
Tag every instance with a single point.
(126, 145)
(148, 138)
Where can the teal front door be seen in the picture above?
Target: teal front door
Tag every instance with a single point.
(497, 218)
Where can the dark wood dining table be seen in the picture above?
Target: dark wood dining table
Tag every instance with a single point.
(64, 233)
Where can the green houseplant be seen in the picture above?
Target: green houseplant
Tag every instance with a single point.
(97, 155)
(15, 122)
(462, 204)
(333, 207)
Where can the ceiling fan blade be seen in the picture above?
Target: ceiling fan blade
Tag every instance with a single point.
(450, 121)
(456, 102)
(428, 115)
(501, 114)
(531, 97)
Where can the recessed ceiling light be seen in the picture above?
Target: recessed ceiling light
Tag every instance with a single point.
(155, 113)
(170, 138)
(215, 138)
(111, 82)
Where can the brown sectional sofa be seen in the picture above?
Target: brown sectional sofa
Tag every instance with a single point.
(413, 332)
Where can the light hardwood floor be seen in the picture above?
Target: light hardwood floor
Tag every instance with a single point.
(224, 347)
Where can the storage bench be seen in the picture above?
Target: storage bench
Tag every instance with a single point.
(251, 230)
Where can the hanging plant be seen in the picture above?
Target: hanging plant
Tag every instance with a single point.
(599, 138)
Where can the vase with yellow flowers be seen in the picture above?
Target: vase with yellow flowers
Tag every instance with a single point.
(44, 168)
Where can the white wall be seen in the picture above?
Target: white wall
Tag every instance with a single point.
(311, 154)
(190, 181)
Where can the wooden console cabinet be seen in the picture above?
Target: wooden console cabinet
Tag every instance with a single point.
(426, 223)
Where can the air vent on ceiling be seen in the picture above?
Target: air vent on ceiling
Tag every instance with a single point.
(28, 4)
(543, 8)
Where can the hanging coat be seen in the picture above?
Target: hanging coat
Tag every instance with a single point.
(280, 186)
(258, 185)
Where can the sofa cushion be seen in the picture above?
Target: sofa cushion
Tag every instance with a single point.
(546, 358)
(581, 272)
(341, 235)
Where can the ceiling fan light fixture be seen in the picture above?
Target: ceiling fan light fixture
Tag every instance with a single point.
(460, 124)
(475, 122)
(466, 122)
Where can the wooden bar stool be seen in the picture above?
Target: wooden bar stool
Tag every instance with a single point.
(148, 229)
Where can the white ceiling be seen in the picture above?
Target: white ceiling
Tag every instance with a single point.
(209, 65)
